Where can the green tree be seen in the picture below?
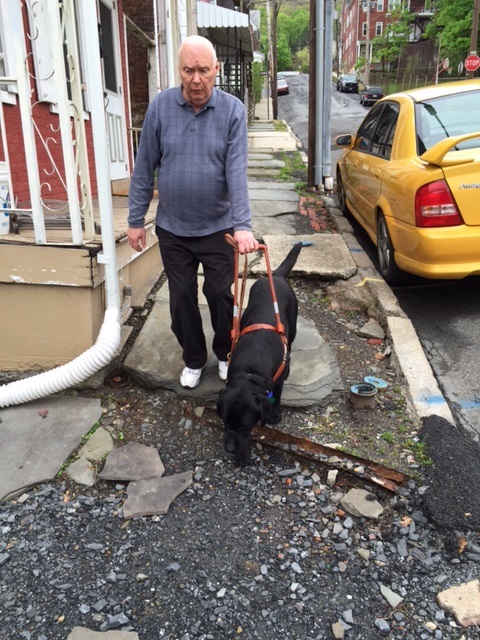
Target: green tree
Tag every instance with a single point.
(292, 31)
(389, 46)
(284, 54)
(298, 28)
(301, 60)
(452, 24)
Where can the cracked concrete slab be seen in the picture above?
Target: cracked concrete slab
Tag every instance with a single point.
(155, 495)
(132, 462)
(34, 448)
(328, 256)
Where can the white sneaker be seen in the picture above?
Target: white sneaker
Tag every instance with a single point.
(222, 369)
(190, 377)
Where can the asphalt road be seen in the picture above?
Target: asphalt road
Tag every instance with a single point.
(446, 315)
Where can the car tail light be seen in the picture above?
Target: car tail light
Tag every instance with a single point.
(435, 206)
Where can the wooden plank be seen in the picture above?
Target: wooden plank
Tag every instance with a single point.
(47, 265)
(64, 236)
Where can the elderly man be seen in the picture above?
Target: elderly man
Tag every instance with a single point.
(195, 136)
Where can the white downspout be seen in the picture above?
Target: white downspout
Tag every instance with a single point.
(108, 341)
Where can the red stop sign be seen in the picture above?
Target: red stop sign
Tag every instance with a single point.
(472, 62)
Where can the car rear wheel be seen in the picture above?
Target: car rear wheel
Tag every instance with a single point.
(385, 253)
(342, 198)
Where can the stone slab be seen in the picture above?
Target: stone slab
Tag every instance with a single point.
(82, 471)
(97, 446)
(34, 448)
(362, 504)
(274, 209)
(463, 601)
(284, 224)
(155, 495)
(272, 186)
(272, 195)
(266, 164)
(81, 633)
(328, 256)
(134, 461)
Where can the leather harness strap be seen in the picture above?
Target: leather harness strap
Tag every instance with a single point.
(256, 327)
(237, 307)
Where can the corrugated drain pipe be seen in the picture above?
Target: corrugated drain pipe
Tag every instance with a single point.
(108, 341)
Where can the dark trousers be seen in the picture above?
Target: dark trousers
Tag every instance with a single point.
(181, 257)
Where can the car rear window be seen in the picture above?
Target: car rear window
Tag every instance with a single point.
(374, 89)
(439, 118)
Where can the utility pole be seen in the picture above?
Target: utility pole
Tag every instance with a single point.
(474, 33)
(274, 61)
(367, 47)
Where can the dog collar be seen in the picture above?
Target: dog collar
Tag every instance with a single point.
(270, 397)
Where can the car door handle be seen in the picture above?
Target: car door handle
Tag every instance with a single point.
(376, 172)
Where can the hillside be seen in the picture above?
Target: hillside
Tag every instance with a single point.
(289, 6)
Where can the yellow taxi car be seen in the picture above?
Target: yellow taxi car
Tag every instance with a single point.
(411, 177)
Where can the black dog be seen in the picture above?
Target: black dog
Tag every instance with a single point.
(251, 395)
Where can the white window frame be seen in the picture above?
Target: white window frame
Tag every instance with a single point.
(364, 29)
(378, 28)
(379, 5)
(7, 25)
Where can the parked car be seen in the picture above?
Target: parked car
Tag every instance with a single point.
(410, 176)
(282, 87)
(347, 82)
(280, 75)
(370, 95)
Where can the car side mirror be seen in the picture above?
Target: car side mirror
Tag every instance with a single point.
(344, 140)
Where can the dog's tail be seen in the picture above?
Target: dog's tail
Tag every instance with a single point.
(287, 265)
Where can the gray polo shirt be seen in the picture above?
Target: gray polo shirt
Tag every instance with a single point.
(202, 165)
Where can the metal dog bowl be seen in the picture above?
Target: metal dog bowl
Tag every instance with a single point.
(362, 395)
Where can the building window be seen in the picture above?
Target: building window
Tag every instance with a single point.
(378, 28)
(379, 5)
(364, 29)
(393, 4)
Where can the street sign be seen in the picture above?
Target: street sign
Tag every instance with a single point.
(472, 62)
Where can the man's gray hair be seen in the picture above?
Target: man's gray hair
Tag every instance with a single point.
(198, 41)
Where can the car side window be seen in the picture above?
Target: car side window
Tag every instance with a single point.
(383, 136)
(377, 130)
(365, 134)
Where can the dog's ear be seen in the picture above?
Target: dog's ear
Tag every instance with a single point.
(221, 403)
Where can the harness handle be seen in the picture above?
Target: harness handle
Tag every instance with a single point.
(238, 303)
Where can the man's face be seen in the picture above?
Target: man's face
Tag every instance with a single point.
(197, 71)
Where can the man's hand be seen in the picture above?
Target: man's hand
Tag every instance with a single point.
(137, 238)
(246, 241)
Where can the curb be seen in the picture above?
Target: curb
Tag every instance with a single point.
(425, 397)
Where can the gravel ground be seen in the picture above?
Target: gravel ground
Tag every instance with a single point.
(262, 552)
